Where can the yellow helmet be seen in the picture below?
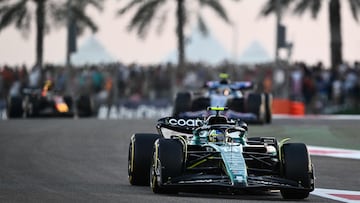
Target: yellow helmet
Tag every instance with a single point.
(216, 136)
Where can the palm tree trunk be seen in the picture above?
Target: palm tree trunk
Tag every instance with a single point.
(71, 34)
(180, 14)
(40, 25)
(335, 33)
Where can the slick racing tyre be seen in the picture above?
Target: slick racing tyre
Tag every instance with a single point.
(297, 167)
(237, 104)
(15, 107)
(255, 104)
(182, 103)
(84, 106)
(139, 158)
(200, 104)
(167, 163)
(268, 107)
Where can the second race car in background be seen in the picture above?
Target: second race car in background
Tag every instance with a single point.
(34, 102)
(239, 97)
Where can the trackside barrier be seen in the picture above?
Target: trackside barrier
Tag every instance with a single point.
(297, 108)
(3, 114)
(141, 112)
(285, 106)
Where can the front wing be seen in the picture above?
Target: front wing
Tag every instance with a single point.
(199, 182)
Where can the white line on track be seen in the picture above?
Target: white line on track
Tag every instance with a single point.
(334, 152)
(322, 117)
(339, 195)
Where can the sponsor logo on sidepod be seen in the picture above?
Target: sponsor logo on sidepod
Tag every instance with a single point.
(186, 122)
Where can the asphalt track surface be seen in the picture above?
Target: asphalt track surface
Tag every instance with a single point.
(85, 160)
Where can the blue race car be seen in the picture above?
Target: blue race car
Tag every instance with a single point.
(239, 97)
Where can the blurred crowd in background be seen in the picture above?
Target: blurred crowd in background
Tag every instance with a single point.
(322, 90)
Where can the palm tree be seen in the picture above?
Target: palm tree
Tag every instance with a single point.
(314, 6)
(47, 12)
(72, 14)
(19, 13)
(147, 11)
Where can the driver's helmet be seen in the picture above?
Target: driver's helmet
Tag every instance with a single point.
(224, 90)
(216, 136)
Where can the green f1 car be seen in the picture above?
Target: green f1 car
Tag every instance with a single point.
(216, 154)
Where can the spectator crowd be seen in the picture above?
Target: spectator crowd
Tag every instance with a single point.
(320, 88)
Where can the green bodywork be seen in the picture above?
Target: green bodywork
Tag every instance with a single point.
(234, 162)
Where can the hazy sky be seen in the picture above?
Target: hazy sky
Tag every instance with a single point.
(310, 37)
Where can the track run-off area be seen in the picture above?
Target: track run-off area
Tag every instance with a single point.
(85, 160)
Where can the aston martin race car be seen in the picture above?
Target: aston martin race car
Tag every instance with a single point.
(216, 154)
(239, 97)
(46, 101)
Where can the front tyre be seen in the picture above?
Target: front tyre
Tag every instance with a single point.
(139, 158)
(297, 167)
(167, 163)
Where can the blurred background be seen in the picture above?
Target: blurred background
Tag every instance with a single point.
(128, 53)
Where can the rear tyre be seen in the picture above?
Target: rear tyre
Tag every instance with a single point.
(237, 104)
(297, 167)
(200, 104)
(139, 158)
(15, 107)
(182, 103)
(268, 107)
(167, 163)
(84, 106)
(255, 105)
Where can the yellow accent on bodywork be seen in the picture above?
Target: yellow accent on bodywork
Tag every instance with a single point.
(201, 161)
(281, 143)
(62, 107)
(155, 162)
(132, 158)
(198, 163)
(132, 153)
(224, 75)
(216, 108)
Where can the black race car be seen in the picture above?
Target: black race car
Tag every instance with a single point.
(215, 154)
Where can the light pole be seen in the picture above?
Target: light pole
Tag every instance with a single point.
(278, 22)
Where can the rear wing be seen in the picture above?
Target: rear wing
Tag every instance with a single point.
(240, 85)
(243, 85)
(31, 91)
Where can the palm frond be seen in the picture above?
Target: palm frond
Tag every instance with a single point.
(355, 9)
(10, 14)
(58, 14)
(82, 18)
(304, 5)
(202, 26)
(217, 7)
(23, 21)
(129, 6)
(162, 21)
(98, 4)
(270, 6)
(144, 16)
